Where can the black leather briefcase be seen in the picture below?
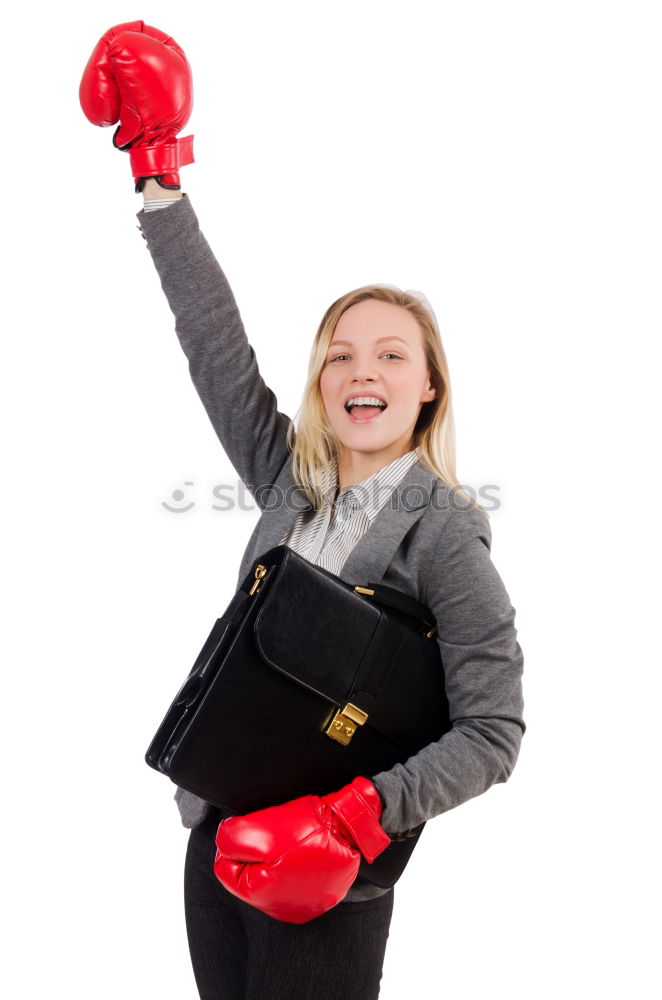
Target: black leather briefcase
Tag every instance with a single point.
(304, 683)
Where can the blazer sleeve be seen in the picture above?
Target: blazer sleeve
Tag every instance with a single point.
(243, 410)
(483, 667)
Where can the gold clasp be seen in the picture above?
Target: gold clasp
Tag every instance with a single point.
(260, 573)
(343, 724)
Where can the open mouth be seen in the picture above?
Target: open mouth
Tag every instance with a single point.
(364, 413)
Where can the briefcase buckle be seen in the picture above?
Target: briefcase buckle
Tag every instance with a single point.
(344, 723)
(260, 573)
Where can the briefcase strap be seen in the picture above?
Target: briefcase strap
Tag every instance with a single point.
(392, 598)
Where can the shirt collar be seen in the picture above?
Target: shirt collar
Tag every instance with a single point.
(371, 494)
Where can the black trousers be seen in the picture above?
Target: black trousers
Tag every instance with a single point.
(240, 953)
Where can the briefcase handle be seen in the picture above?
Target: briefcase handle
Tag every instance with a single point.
(392, 598)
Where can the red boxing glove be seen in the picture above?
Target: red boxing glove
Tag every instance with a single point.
(297, 860)
(139, 76)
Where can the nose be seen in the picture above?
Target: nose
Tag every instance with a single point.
(363, 375)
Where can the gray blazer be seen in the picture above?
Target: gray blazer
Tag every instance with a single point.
(423, 541)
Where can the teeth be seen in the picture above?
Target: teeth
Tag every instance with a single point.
(364, 401)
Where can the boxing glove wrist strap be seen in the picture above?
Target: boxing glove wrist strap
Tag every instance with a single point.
(357, 806)
(163, 158)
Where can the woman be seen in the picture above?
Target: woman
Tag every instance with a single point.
(373, 459)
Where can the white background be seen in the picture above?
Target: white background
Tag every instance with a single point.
(503, 157)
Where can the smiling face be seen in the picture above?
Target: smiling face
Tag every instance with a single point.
(376, 350)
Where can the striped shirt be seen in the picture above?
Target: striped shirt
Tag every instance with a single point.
(328, 543)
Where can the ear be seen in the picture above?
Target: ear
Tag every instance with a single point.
(429, 393)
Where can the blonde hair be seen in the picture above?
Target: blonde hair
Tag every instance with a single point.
(313, 443)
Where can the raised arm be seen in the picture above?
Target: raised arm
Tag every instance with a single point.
(242, 408)
(139, 76)
(483, 666)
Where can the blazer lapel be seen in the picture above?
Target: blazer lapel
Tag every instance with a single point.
(372, 554)
(374, 551)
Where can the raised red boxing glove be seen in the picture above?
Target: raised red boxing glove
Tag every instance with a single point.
(297, 860)
(139, 76)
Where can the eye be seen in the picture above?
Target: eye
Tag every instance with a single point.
(386, 353)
